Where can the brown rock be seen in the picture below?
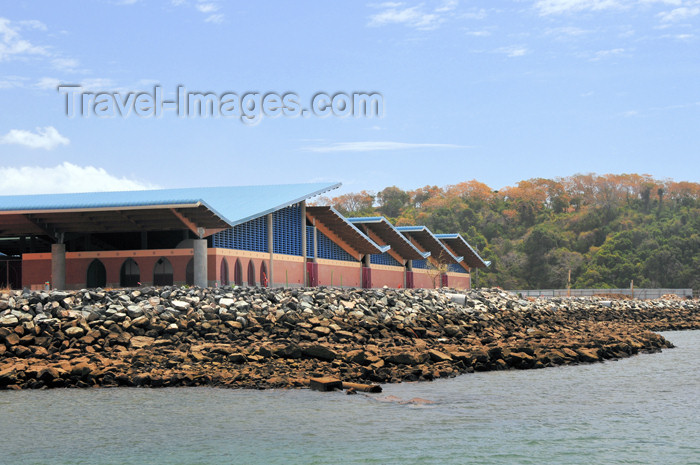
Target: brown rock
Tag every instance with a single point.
(12, 339)
(437, 356)
(137, 342)
(407, 358)
(319, 351)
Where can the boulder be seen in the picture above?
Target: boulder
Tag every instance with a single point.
(319, 351)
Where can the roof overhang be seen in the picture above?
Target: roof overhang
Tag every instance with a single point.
(381, 230)
(334, 225)
(461, 247)
(424, 239)
(52, 222)
(204, 211)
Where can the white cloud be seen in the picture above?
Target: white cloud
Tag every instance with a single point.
(602, 54)
(207, 7)
(47, 83)
(551, 7)
(216, 19)
(412, 16)
(678, 14)
(12, 45)
(47, 138)
(33, 24)
(513, 51)
(64, 178)
(65, 64)
(371, 146)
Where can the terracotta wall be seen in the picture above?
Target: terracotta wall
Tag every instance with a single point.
(389, 276)
(459, 280)
(337, 271)
(288, 270)
(421, 279)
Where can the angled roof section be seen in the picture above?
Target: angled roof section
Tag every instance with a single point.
(207, 208)
(334, 225)
(387, 233)
(457, 243)
(428, 242)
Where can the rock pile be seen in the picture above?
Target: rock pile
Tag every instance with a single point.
(262, 338)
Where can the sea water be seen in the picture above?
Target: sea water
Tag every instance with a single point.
(641, 410)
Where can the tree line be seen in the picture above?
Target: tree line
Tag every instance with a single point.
(604, 230)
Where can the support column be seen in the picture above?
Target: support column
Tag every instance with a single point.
(270, 248)
(305, 279)
(200, 263)
(315, 242)
(58, 266)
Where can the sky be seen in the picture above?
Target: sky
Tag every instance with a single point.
(493, 91)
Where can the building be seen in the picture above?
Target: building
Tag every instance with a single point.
(244, 235)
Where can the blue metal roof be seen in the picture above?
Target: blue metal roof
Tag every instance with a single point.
(480, 263)
(432, 239)
(233, 204)
(396, 234)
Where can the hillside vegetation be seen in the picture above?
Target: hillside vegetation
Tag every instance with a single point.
(606, 229)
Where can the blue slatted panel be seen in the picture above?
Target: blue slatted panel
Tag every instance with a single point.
(455, 268)
(330, 250)
(310, 241)
(251, 235)
(287, 230)
(422, 264)
(383, 259)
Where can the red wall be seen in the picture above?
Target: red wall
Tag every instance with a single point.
(389, 276)
(421, 279)
(349, 271)
(459, 280)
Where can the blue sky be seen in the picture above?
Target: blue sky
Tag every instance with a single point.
(493, 91)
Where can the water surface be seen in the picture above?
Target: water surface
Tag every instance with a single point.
(641, 410)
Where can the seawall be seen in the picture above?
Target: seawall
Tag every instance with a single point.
(272, 338)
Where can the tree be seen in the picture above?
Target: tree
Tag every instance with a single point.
(392, 200)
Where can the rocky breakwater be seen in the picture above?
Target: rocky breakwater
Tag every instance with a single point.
(264, 338)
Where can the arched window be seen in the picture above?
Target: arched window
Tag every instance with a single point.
(129, 275)
(163, 272)
(189, 273)
(96, 274)
(238, 273)
(251, 273)
(224, 272)
(263, 275)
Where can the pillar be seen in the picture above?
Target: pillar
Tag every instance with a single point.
(200, 263)
(315, 242)
(58, 266)
(305, 279)
(271, 249)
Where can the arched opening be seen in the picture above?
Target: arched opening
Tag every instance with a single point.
(238, 273)
(129, 275)
(96, 275)
(163, 272)
(189, 273)
(224, 272)
(251, 273)
(263, 275)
